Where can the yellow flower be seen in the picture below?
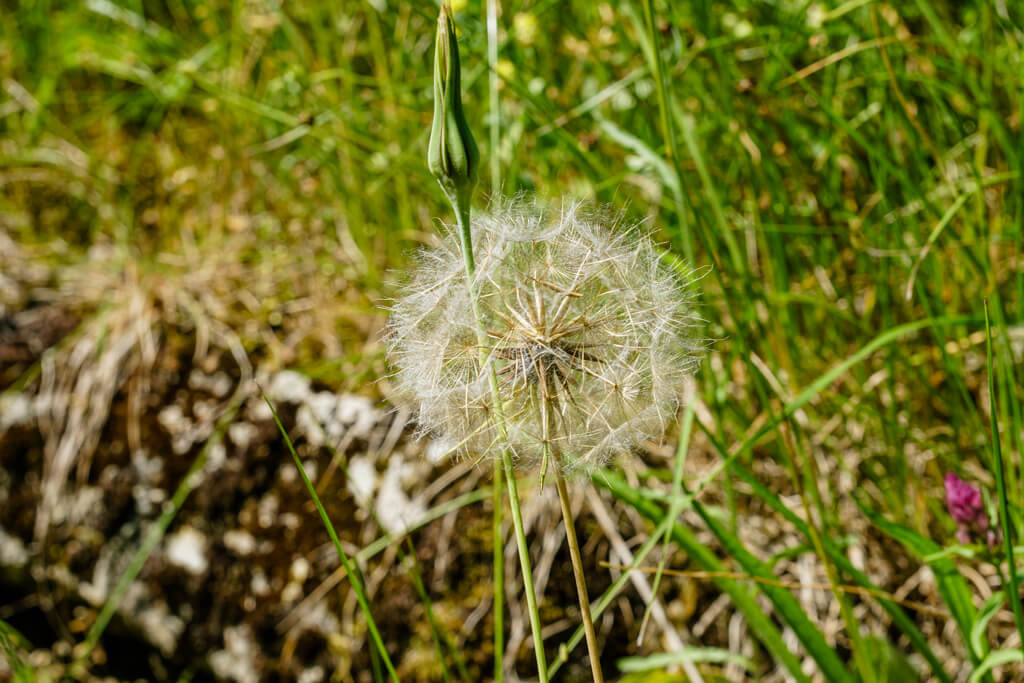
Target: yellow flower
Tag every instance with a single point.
(506, 69)
(525, 27)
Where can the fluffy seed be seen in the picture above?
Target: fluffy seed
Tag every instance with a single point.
(591, 334)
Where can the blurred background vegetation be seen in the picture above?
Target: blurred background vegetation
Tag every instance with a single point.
(255, 171)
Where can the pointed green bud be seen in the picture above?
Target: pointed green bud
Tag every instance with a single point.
(452, 154)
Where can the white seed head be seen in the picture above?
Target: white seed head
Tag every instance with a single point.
(591, 335)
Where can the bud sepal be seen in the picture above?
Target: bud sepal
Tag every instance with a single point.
(452, 154)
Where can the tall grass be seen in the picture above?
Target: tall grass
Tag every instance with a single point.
(850, 172)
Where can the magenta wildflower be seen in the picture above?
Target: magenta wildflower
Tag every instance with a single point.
(968, 511)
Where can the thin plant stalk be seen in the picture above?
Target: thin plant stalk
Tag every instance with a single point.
(460, 203)
(999, 469)
(417, 582)
(809, 489)
(493, 81)
(453, 158)
(570, 534)
(498, 560)
(353, 578)
(581, 581)
(437, 631)
(495, 168)
(679, 502)
(603, 602)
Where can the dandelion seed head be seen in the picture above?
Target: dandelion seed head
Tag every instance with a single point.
(591, 335)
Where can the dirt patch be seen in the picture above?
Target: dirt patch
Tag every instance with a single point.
(227, 593)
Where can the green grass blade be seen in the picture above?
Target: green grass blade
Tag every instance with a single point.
(985, 614)
(742, 596)
(417, 581)
(438, 632)
(788, 608)
(687, 654)
(357, 585)
(376, 547)
(10, 642)
(995, 659)
(953, 588)
(999, 469)
(724, 231)
(657, 64)
(676, 509)
(836, 555)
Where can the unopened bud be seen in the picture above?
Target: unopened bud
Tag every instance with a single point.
(452, 154)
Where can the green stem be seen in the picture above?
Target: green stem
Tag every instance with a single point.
(524, 562)
(1013, 592)
(495, 166)
(499, 579)
(493, 81)
(808, 488)
(577, 572)
(351, 570)
(460, 203)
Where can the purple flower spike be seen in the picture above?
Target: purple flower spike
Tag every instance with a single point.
(964, 501)
(968, 511)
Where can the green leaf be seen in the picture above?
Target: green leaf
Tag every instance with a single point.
(654, 677)
(788, 607)
(741, 595)
(993, 660)
(979, 643)
(953, 588)
(836, 555)
(963, 551)
(889, 664)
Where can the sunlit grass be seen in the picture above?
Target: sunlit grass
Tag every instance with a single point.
(851, 173)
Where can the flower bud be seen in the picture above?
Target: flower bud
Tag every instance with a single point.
(452, 154)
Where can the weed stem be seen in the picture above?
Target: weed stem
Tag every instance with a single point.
(460, 203)
(581, 582)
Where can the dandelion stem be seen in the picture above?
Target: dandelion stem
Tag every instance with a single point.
(524, 561)
(499, 577)
(581, 582)
(460, 203)
(495, 166)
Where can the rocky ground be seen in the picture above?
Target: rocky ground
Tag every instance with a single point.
(242, 587)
